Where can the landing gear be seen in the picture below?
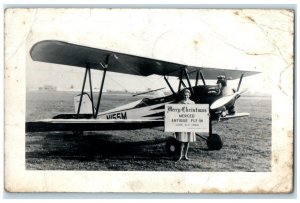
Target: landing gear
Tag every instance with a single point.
(172, 147)
(231, 111)
(214, 142)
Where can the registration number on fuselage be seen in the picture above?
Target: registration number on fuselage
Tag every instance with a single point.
(120, 115)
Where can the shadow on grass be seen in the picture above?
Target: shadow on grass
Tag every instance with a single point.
(67, 145)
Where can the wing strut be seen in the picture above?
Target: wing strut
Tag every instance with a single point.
(202, 78)
(102, 84)
(180, 80)
(88, 73)
(91, 91)
(188, 80)
(197, 78)
(82, 89)
(239, 85)
(169, 85)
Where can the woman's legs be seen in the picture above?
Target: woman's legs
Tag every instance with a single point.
(187, 144)
(184, 148)
(181, 150)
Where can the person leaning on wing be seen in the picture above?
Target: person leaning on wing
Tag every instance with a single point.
(185, 137)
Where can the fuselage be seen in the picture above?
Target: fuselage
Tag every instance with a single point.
(153, 109)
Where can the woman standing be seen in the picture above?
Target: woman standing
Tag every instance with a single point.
(185, 137)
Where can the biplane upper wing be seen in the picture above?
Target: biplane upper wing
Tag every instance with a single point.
(64, 53)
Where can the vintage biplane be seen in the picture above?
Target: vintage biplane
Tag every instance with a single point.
(143, 113)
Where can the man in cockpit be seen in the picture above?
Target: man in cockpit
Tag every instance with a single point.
(221, 88)
(225, 90)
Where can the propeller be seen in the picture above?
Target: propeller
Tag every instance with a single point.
(224, 100)
(227, 99)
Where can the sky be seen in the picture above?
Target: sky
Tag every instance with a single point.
(259, 40)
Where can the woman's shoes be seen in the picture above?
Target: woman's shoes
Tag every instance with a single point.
(186, 158)
(179, 159)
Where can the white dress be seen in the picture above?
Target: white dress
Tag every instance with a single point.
(186, 136)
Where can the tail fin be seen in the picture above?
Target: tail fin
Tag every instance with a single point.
(86, 106)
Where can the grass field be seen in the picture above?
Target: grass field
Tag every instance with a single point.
(247, 141)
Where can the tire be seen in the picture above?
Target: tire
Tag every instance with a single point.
(231, 111)
(172, 147)
(214, 142)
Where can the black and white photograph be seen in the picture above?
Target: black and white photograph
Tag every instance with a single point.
(188, 97)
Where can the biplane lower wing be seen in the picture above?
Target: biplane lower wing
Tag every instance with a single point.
(90, 125)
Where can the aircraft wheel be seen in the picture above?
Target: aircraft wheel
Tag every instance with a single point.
(214, 142)
(231, 111)
(172, 147)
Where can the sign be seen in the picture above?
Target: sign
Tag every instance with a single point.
(187, 118)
